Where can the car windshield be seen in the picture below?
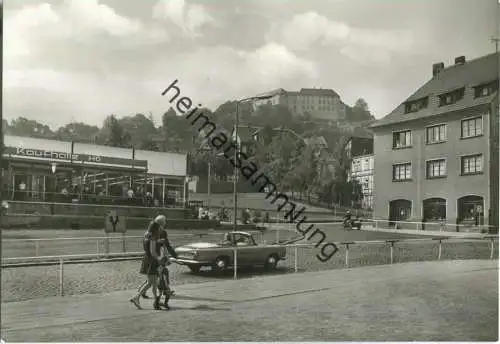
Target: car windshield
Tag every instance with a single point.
(244, 240)
(237, 239)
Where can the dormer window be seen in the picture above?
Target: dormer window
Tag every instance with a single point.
(485, 89)
(416, 105)
(451, 97)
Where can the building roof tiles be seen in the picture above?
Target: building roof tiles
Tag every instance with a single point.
(472, 73)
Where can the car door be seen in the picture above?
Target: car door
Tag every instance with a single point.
(245, 255)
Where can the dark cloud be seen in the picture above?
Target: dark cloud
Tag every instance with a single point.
(247, 48)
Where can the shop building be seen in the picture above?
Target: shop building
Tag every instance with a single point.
(42, 170)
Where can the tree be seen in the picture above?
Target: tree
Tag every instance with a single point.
(178, 133)
(26, 127)
(280, 158)
(152, 119)
(267, 134)
(360, 111)
(273, 116)
(113, 133)
(362, 105)
(304, 177)
(140, 129)
(78, 132)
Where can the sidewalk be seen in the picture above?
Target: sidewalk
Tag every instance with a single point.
(425, 233)
(401, 302)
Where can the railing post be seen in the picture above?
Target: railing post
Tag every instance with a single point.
(347, 255)
(439, 249)
(124, 242)
(235, 264)
(278, 234)
(61, 277)
(106, 244)
(98, 247)
(392, 250)
(492, 248)
(296, 259)
(37, 248)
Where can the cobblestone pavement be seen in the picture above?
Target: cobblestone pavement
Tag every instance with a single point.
(22, 283)
(426, 301)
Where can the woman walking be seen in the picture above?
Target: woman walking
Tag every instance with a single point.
(150, 261)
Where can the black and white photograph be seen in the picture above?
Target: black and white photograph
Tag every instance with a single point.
(249, 171)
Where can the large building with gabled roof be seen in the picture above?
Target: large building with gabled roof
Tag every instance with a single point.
(320, 103)
(436, 154)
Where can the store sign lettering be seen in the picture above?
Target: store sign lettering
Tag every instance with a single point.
(75, 158)
(46, 154)
(94, 158)
(56, 155)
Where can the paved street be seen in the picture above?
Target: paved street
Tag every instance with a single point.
(27, 248)
(426, 301)
(43, 281)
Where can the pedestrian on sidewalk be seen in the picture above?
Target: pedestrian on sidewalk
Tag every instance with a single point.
(163, 271)
(150, 261)
(143, 287)
(164, 249)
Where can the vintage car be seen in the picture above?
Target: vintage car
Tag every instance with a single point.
(221, 256)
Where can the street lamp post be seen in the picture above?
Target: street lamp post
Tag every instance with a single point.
(209, 182)
(237, 150)
(53, 168)
(235, 169)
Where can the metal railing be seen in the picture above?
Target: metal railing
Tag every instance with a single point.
(258, 235)
(430, 226)
(59, 260)
(89, 199)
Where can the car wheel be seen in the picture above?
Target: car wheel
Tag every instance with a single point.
(272, 262)
(194, 268)
(221, 264)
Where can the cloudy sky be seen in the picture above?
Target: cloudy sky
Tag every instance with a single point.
(80, 60)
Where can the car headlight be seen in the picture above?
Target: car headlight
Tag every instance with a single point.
(195, 254)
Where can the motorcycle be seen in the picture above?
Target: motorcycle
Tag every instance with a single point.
(352, 224)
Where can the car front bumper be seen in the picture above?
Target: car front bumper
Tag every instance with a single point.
(186, 261)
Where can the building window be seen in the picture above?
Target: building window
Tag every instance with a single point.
(401, 172)
(486, 89)
(416, 105)
(451, 97)
(436, 134)
(401, 139)
(472, 164)
(366, 165)
(436, 168)
(472, 127)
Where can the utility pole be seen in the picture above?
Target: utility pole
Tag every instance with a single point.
(495, 39)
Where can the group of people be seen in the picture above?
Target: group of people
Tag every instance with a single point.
(154, 264)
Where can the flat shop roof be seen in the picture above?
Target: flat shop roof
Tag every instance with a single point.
(165, 164)
(49, 156)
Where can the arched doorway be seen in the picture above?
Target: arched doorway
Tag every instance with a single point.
(434, 209)
(399, 210)
(471, 210)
